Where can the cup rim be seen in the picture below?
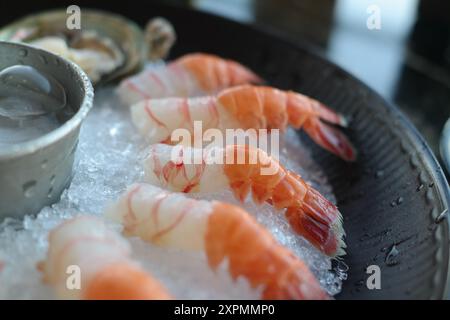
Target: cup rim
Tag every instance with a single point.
(34, 145)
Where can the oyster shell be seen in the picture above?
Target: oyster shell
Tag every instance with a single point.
(160, 36)
(96, 55)
(107, 47)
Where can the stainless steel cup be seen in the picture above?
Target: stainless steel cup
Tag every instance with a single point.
(33, 174)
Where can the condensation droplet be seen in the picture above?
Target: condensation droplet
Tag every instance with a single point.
(23, 52)
(391, 257)
(379, 174)
(50, 192)
(28, 188)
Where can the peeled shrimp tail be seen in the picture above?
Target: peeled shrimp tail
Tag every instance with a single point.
(254, 254)
(330, 139)
(224, 232)
(269, 108)
(298, 104)
(308, 212)
(324, 135)
(320, 222)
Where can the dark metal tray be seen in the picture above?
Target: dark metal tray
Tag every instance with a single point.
(393, 194)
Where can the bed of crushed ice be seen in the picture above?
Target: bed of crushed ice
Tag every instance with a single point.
(108, 160)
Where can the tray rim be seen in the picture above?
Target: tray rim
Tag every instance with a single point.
(426, 155)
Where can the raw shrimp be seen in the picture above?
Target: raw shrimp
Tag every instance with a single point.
(102, 256)
(244, 168)
(246, 107)
(222, 231)
(195, 74)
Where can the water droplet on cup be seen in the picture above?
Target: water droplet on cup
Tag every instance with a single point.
(28, 188)
(50, 191)
(44, 164)
(23, 52)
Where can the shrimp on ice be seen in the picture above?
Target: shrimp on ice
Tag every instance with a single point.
(246, 107)
(106, 270)
(194, 74)
(243, 169)
(222, 231)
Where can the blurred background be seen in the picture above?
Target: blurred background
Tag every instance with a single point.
(406, 59)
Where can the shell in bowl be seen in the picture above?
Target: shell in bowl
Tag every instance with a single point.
(107, 46)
